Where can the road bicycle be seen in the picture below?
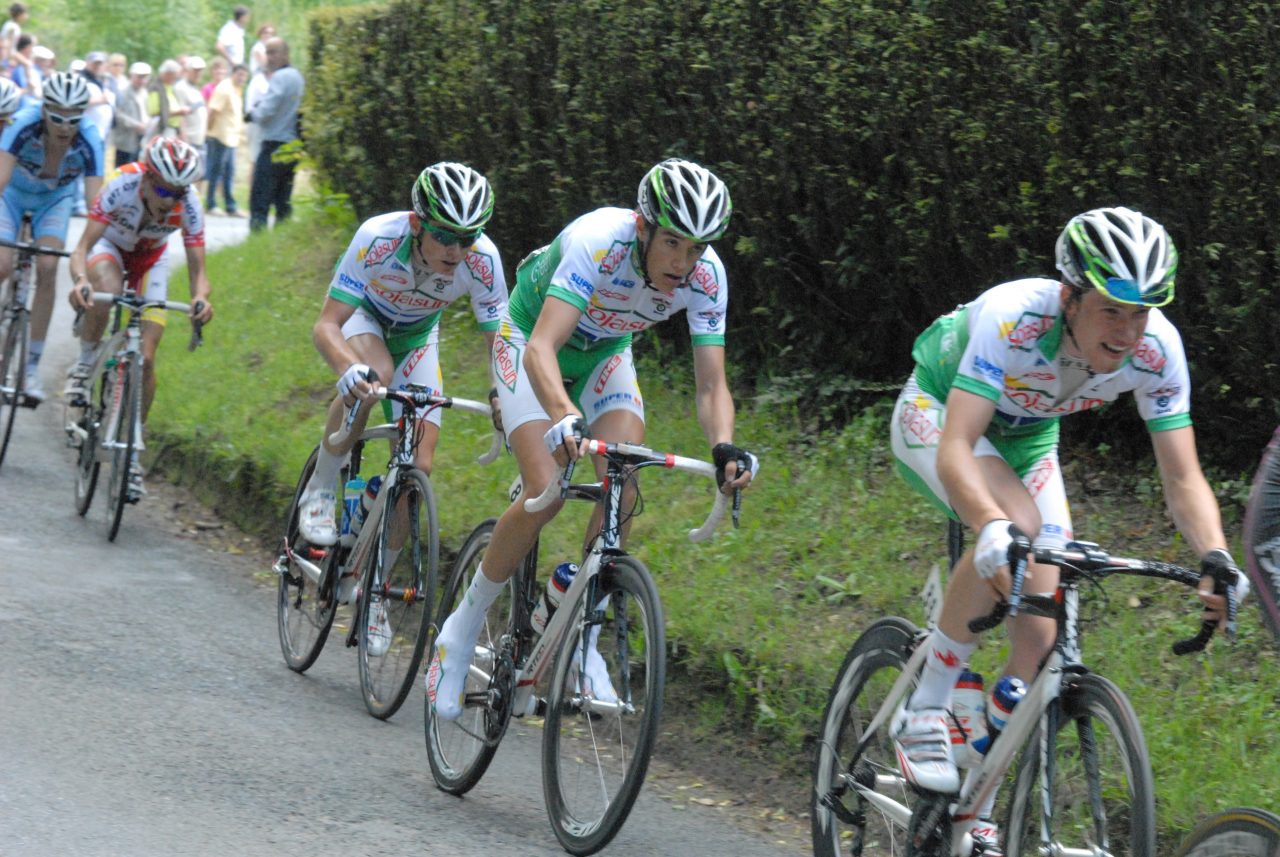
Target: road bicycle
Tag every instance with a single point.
(1084, 791)
(1262, 536)
(402, 520)
(595, 745)
(106, 426)
(1239, 832)
(15, 330)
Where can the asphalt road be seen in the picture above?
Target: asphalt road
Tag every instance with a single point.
(145, 708)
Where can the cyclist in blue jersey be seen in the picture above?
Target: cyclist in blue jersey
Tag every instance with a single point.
(43, 151)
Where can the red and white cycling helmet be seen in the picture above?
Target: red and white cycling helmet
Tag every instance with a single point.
(173, 161)
(10, 96)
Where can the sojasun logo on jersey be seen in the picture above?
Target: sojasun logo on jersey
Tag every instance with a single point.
(703, 279)
(379, 249)
(481, 266)
(1030, 326)
(506, 363)
(612, 258)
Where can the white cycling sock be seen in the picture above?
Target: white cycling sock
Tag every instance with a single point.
(88, 350)
(942, 666)
(327, 466)
(456, 644)
(34, 350)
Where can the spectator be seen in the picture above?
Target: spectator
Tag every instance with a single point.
(277, 115)
(6, 61)
(100, 111)
(45, 60)
(163, 106)
(117, 65)
(195, 123)
(231, 36)
(226, 126)
(25, 73)
(258, 53)
(218, 70)
(132, 118)
(258, 85)
(12, 28)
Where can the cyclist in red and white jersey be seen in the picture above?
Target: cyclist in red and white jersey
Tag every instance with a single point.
(610, 273)
(126, 236)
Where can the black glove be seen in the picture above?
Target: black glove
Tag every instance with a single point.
(723, 453)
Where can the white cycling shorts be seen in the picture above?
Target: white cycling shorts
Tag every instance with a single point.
(419, 366)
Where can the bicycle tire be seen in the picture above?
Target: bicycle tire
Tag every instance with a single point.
(1237, 832)
(406, 590)
(585, 748)
(459, 751)
(1262, 536)
(88, 462)
(1102, 793)
(13, 363)
(841, 821)
(127, 416)
(304, 613)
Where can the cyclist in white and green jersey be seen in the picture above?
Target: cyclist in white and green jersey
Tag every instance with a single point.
(383, 312)
(976, 431)
(563, 365)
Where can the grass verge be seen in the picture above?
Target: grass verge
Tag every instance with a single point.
(758, 620)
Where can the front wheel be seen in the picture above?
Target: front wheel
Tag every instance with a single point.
(88, 462)
(304, 603)
(399, 592)
(1262, 537)
(13, 367)
(604, 706)
(842, 819)
(1098, 786)
(1240, 832)
(125, 415)
(460, 751)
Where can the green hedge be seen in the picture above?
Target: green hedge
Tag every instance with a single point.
(887, 160)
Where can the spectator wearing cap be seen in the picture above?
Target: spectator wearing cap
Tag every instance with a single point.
(277, 114)
(45, 59)
(117, 73)
(102, 102)
(132, 118)
(194, 126)
(163, 106)
(230, 43)
(226, 124)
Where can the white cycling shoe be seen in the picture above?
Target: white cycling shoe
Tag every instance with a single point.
(988, 832)
(922, 741)
(315, 517)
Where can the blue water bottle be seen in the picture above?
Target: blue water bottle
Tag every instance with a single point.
(1005, 696)
(351, 502)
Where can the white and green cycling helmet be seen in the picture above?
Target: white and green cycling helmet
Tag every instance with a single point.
(686, 198)
(453, 196)
(66, 91)
(10, 97)
(1120, 252)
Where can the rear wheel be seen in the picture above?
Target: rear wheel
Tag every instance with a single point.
(600, 731)
(1262, 537)
(127, 415)
(1241, 832)
(88, 463)
(13, 365)
(304, 604)
(403, 592)
(460, 751)
(843, 819)
(1099, 785)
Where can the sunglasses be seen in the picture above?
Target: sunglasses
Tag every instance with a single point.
(450, 238)
(1127, 292)
(59, 119)
(167, 192)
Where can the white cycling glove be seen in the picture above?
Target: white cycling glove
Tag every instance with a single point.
(355, 373)
(570, 426)
(992, 550)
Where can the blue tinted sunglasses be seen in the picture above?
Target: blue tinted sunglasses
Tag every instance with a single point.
(450, 238)
(1126, 292)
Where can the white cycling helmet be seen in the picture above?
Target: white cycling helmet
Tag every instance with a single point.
(1120, 252)
(10, 96)
(453, 195)
(66, 91)
(173, 161)
(687, 199)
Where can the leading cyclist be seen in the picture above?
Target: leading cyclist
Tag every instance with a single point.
(577, 301)
(126, 236)
(975, 430)
(43, 151)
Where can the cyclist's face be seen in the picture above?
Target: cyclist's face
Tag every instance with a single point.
(1106, 331)
(670, 258)
(60, 124)
(441, 257)
(161, 197)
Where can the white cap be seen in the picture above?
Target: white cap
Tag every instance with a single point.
(41, 52)
(195, 62)
(169, 66)
(77, 65)
(139, 68)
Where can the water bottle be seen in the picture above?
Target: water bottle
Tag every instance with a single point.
(367, 498)
(351, 503)
(1007, 693)
(968, 704)
(557, 586)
